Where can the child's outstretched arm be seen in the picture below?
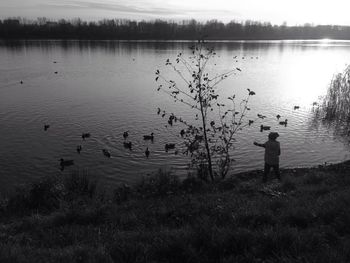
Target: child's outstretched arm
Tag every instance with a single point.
(259, 144)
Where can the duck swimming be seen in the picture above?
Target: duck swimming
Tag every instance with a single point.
(64, 163)
(148, 137)
(182, 133)
(261, 116)
(46, 126)
(106, 153)
(264, 128)
(169, 146)
(127, 145)
(283, 122)
(85, 135)
(79, 148)
(147, 152)
(126, 134)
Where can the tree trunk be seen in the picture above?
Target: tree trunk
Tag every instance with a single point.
(205, 135)
(199, 75)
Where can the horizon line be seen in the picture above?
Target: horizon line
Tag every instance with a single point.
(199, 21)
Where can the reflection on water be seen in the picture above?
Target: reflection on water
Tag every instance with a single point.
(338, 128)
(107, 87)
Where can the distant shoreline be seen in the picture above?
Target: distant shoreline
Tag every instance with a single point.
(117, 29)
(238, 41)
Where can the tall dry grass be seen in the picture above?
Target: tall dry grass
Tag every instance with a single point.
(336, 104)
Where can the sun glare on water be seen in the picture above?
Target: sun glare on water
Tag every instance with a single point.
(307, 77)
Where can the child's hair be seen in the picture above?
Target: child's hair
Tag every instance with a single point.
(273, 135)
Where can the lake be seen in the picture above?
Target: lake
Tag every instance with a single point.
(108, 87)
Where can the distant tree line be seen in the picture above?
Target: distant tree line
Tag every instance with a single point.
(43, 28)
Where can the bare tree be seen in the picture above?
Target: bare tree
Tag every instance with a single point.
(210, 139)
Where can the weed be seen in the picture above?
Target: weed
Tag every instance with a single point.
(313, 179)
(160, 184)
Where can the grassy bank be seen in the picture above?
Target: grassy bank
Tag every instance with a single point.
(303, 218)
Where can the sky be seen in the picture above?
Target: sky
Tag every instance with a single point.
(293, 12)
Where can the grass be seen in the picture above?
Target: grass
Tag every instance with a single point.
(305, 218)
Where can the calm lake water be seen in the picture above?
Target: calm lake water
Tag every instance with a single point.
(108, 87)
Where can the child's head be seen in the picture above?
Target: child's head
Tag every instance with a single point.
(273, 136)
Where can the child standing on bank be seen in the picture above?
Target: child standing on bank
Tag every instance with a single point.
(272, 153)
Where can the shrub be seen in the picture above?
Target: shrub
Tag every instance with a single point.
(78, 183)
(313, 179)
(277, 204)
(122, 194)
(255, 219)
(43, 196)
(91, 215)
(192, 184)
(299, 217)
(160, 184)
(287, 185)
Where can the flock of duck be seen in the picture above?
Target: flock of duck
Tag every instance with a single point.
(284, 123)
(266, 128)
(150, 137)
(63, 162)
(127, 144)
(169, 146)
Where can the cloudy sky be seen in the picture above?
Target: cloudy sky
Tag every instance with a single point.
(275, 11)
